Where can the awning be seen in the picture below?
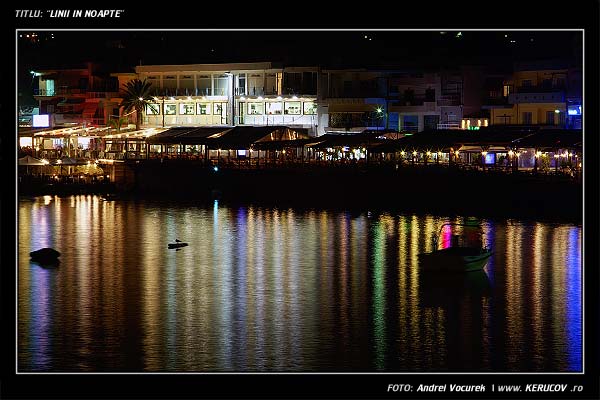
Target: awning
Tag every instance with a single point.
(28, 160)
(186, 135)
(232, 138)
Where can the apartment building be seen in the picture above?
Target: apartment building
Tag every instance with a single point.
(537, 93)
(78, 96)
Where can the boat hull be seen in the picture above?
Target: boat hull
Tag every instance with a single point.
(455, 259)
(176, 245)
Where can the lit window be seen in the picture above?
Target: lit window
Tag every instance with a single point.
(292, 108)
(310, 108)
(203, 108)
(274, 108)
(256, 108)
(186, 109)
(170, 109)
(152, 109)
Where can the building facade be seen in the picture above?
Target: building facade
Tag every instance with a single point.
(537, 94)
(80, 96)
(230, 95)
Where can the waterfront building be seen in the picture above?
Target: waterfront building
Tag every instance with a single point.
(255, 94)
(76, 96)
(427, 100)
(406, 101)
(353, 100)
(538, 93)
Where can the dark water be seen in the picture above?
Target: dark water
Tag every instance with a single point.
(266, 289)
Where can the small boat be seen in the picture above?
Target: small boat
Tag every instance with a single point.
(463, 255)
(178, 243)
(45, 257)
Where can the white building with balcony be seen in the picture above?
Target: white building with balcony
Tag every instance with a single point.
(231, 94)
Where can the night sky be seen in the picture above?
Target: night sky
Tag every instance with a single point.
(122, 50)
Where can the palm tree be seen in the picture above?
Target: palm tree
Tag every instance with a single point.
(117, 123)
(136, 96)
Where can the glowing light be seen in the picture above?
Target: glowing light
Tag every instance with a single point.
(414, 153)
(59, 161)
(295, 97)
(402, 153)
(439, 153)
(484, 153)
(140, 98)
(171, 98)
(556, 155)
(155, 98)
(539, 153)
(278, 97)
(216, 168)
(456, 152)
(242, 98)
(510, 153)
(189, 97)
(259, 97)
(283, 151)
(557, 111)
(428, 153)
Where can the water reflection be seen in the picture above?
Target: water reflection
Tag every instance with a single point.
(269, 289)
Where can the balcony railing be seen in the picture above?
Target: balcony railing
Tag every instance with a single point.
(59, 91)
(537, 97)
(76, 119)
(539, 89)
(67, 91)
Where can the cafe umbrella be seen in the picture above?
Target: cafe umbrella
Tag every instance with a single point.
(28, 161)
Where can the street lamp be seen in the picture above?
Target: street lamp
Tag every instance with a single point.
(379, 111)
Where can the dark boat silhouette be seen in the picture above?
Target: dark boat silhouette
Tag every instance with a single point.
(178, 244)
(46, 257)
